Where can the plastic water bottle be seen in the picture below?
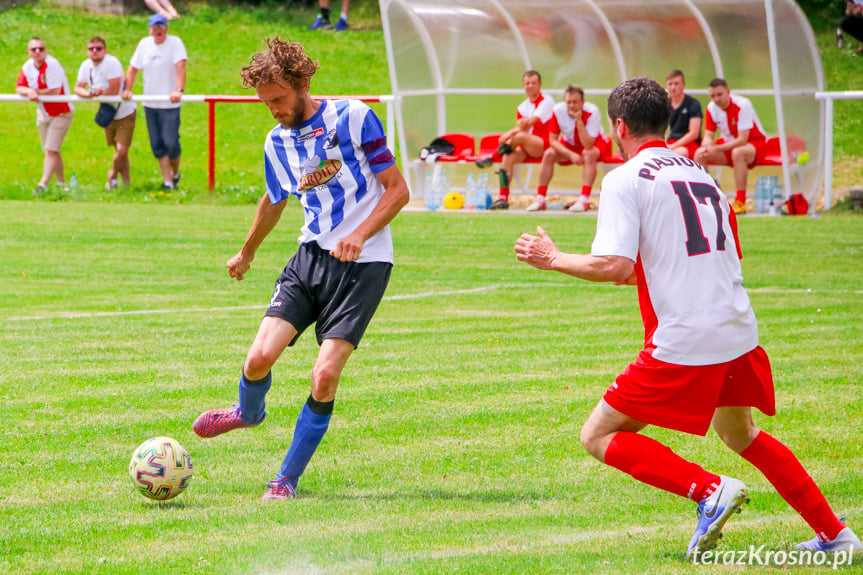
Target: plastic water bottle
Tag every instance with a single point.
(776, 195)
(441, 189)
(763, 195)
(73, 181)
(839, 38)
(429, 191)
(481, 201)
(470, 189)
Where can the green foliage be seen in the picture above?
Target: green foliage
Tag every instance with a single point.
(454, 445)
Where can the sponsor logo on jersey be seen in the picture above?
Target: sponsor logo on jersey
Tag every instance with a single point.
(310, 135)
(320, 174)
(332, 140)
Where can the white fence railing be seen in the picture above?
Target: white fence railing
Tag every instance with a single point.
(827, 97)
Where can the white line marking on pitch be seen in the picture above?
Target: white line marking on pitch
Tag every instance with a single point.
(248, 307)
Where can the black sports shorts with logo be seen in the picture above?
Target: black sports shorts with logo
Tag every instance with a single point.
(340, 296)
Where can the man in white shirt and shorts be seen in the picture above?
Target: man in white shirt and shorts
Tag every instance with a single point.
(663, 225)
(576, 137)
(163, 58)
(529, 137)
(101, 74)
(42, 75)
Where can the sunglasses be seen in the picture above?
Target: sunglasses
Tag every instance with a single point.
(95, 48)
(159, 26)
(38, 49)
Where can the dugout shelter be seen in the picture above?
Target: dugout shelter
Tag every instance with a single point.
(456, 65)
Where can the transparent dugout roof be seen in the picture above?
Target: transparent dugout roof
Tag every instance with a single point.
(456, 65)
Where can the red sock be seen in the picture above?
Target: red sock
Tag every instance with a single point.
(650, 462)
(586, 191)
(542, 191)
(504, 194)
(787, 475)
(741, 196)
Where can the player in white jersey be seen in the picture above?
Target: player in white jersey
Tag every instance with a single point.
(663, 225)
(575, 137)
(333, 157)
(529, 137)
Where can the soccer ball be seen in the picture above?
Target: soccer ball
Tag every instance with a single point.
(160, 468)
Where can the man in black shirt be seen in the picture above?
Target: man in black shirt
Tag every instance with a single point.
(684, 134)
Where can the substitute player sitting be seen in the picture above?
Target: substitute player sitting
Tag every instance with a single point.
(529, 137)
(575, 136)
(684, 127)
(743, 142)
(663, 225)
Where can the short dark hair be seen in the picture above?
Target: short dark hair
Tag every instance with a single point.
(675, 74)
(642, 104)
(717, 82)
(97, 39)
(532, 73)
(574, 90)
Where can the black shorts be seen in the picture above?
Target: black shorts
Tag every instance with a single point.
(340, 296)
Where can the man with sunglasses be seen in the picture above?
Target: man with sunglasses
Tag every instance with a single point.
(162, 57)
(101, 74)
(42, 75)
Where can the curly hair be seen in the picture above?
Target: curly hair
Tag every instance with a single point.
(282, 62)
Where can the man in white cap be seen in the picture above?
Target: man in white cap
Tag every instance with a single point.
(162, 57)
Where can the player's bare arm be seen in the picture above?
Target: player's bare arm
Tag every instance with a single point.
(741, 139)
(266, 218)
(583, 136)
(692, 133)
(395, 197)
(540, 252)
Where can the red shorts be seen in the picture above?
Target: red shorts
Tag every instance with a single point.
(690, 147)
(760, 152)
(602, 143)
(684, 397)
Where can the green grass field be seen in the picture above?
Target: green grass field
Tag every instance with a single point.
(454, 444)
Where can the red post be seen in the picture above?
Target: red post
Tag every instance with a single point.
(211, 181)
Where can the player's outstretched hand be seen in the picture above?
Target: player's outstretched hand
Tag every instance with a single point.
(238, 266)
(538, 251)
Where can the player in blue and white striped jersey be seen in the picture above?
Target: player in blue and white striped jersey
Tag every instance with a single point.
(333, 157)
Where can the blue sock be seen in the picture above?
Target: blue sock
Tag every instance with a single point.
(311, 426)
(252, 394)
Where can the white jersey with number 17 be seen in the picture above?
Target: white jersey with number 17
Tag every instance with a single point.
(665, 212)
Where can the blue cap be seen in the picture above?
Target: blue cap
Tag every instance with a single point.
(158, 19)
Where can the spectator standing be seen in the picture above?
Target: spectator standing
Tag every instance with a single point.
(322, 22)
(742, 143)
(576, 136)
(684, 127)
(162, 57)
(42, 75)
(101, 74)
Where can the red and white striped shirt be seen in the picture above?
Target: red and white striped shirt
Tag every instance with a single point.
(50, 76)
(739, 115)
(542, 108)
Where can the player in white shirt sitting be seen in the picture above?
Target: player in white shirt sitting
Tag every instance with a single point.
(529, 137)
(576, 136)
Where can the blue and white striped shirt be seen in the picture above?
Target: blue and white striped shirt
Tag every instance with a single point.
(329, 164)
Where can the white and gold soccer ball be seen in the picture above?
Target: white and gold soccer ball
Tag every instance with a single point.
(161, 468)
